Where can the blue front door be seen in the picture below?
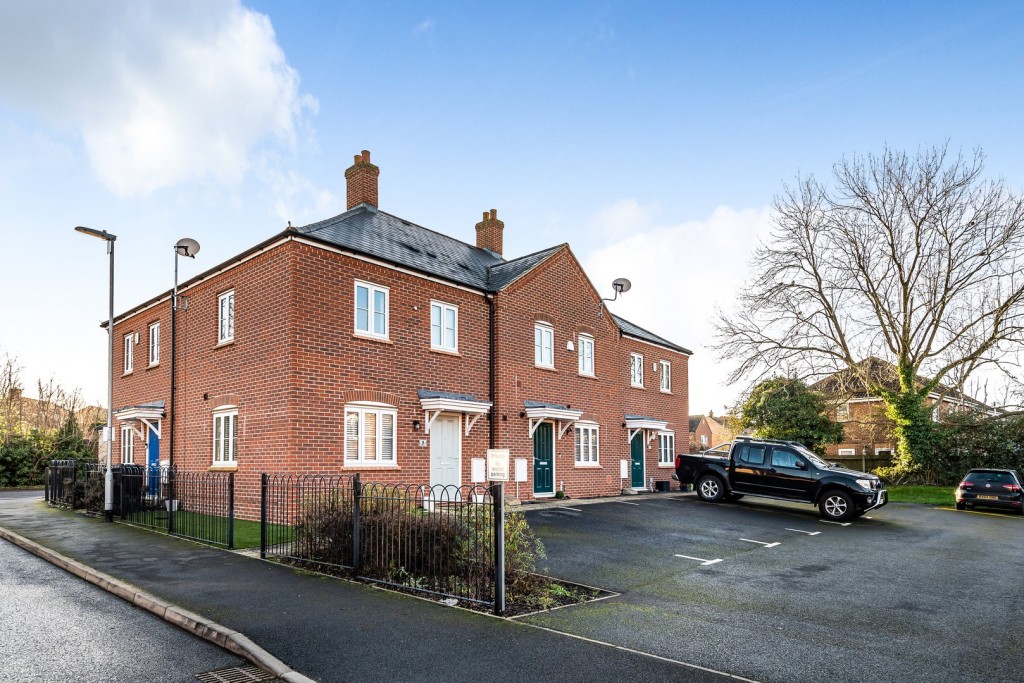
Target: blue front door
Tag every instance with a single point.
(636, 453)
(153, 463)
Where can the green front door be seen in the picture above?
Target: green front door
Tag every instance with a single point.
(543, 460)
(636, 453)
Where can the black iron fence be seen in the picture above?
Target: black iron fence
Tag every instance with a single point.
(195, 505)
(443, 540)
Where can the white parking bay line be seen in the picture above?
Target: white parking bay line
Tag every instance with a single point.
(766, 545)
(562, 507)
(626, 502)
(699, 559)
(825, 521)
(801, 531)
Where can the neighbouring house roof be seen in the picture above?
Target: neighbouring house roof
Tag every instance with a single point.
(847, 384)
(694, 421)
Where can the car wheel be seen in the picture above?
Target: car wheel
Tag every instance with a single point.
(710, 488)
(836, 505)
(1020, 511)
(961, 506)
(733, 497)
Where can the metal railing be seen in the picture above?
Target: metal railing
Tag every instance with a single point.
(443, 540)
(195, 505)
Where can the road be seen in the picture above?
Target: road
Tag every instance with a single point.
(56, 627)
(769, 591)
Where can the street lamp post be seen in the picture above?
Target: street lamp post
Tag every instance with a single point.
(108, 478)
(185, 247)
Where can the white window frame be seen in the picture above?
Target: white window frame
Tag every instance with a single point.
(666, 377)
(704, 440)
(371, 310)
(226, 317)
(359, 412)
(586, 362)
(937, 412)
(543, 332)
(440, 342)
(129, 353)
(847, 451)
(636, 369)
(843, 412)
(127, 445)
(225, 437)
(884, 451)
(666, 449)
(154, 343)
(591, 455)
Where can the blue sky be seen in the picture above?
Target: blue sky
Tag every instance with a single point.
(650, 136)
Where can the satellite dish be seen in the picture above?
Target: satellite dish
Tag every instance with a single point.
(621, 284)
(187, 246)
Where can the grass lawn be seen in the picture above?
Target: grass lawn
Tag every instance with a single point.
(247, 533)
(930, 495)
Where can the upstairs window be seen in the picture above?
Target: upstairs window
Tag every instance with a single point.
(370, 435)
(129, 352)
(226, 317)
(636, 369)
(444, 326)
(586, 355)
(667, 448)
(543, 345)
(225, 437)
(372, 310)
(843, 412)
(154, 344)
(586, 444)
(666, 376)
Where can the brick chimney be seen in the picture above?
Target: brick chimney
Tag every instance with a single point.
(489, 232)
(361, 181)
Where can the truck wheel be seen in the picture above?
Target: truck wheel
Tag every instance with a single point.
(710, 488)
(836, 505)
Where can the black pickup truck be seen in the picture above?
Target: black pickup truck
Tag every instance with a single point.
(782, 470)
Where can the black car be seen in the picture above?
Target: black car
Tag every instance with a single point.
(991, 488)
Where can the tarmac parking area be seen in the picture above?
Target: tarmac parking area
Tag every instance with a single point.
(769, 591)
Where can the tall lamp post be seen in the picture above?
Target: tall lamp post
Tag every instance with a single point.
(186, 246)
(108, 477)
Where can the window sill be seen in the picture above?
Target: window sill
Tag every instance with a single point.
(370, 337)
(223, 468)
(636, 386)
(445, 352)
(153, 365)
(666, 466)
(588, 375)
(587, 466)
(127, 374)
(667, 391)
(394, 468)
(227, 342)
(549, 368)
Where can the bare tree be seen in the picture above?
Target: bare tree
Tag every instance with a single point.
(914, 260)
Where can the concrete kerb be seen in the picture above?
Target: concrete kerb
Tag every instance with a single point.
(210, 631)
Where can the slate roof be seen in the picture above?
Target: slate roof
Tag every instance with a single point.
(542, 404)
(429, 393)
(370, 231)
(632, 330)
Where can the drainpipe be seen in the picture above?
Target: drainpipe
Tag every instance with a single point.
(492, 371)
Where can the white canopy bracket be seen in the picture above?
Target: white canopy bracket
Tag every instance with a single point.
(470, 421)
(428, 419)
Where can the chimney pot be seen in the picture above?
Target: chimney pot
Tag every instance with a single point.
(489, 232)
(361, 181)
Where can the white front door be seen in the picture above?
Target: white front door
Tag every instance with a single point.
(446, 451)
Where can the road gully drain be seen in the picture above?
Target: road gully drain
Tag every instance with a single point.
(236, 674)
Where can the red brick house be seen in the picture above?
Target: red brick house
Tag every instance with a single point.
(867, 431)
(367, 343)
(707, 431)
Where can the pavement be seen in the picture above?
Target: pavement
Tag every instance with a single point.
(303, 626)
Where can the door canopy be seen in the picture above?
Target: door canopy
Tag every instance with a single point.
(436, 402)
(539, 412)
(649, 427)
(148, 414)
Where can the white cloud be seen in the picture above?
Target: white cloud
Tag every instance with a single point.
(425, 26)
(160, 92)
(679, 273)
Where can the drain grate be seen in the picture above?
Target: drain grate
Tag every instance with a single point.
(236, 674)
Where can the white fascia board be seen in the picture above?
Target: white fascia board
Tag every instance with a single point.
(450, 405)
(547, 413)
(658, 425)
